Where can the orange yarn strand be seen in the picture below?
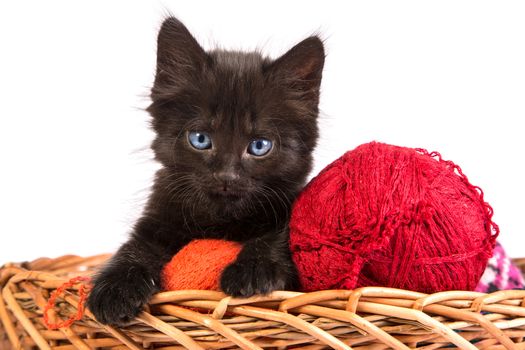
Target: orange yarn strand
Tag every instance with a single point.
(51, 303)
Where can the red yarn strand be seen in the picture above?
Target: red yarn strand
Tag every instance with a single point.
(51, 303)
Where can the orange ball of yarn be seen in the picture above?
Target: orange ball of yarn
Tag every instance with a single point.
(199, 264)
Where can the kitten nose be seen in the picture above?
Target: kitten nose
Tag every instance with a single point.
(226, 176)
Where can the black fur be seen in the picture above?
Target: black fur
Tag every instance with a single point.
(222, 192)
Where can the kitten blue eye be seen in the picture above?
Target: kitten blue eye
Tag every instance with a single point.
(260, 147)
(199, 140)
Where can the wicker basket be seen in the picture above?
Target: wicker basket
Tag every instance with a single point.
(366, 318)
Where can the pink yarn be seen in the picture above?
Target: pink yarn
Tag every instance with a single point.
(501, 273)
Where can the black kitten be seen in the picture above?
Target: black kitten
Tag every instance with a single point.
(234, 133)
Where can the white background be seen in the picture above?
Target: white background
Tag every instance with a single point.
(74, 78)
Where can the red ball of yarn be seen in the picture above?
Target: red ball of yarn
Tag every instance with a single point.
(391, 216)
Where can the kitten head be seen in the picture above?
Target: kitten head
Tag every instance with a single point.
(234, 129)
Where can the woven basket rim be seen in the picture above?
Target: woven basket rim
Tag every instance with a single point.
(364, 318)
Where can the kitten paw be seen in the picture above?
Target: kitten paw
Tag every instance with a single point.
(119, 296)
(247, 277)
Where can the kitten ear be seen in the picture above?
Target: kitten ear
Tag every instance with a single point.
(178, 53)
(302, 65)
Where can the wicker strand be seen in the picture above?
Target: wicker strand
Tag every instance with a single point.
(8, 325)
(23, 319)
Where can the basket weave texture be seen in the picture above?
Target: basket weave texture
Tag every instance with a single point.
(365, 318)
